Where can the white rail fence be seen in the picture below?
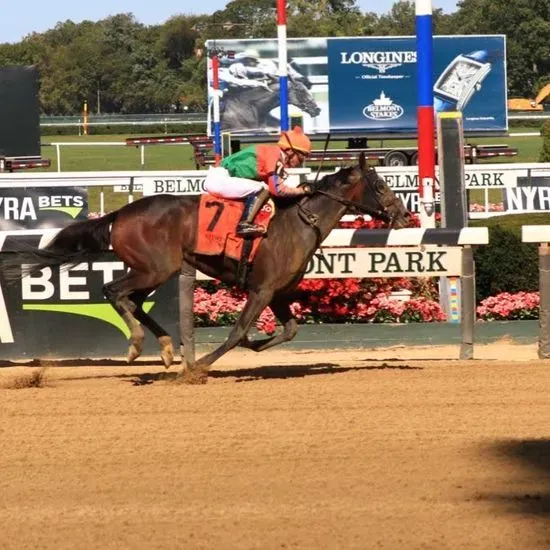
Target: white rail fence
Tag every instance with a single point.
(522, 187)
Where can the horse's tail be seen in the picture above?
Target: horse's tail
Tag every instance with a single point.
(82, 241)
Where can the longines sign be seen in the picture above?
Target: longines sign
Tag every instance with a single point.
(366, 83)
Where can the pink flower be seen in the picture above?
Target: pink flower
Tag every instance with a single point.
(506, 306)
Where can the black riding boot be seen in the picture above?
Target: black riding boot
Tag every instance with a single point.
(252, 206)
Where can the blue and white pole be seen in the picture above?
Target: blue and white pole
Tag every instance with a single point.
(425, 112)
(283, 62)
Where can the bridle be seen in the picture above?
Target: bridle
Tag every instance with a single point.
(382, 214)
(312, 219)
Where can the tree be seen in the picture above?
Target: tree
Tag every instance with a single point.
(177, 40)
(244, 19)
(527, 28)
(327, 18)
(401, 21)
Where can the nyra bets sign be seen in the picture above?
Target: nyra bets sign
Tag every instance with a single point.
(41, 207)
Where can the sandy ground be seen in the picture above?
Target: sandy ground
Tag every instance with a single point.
(396, 448)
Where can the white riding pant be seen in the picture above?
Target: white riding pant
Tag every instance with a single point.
(219, 182)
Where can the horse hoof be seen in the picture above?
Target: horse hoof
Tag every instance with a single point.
(167, 356)
(134, 351)
(166, 350)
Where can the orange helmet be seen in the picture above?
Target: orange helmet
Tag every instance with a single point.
(296, 140)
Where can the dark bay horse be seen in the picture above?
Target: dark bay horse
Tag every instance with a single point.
(155, 236)
(250, 108)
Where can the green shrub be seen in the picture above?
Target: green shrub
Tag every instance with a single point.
(507, 264)
(154, 129)
(545, 151)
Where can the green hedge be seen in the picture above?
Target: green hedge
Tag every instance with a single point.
(507, 264)
(545, 151)
(153, 129)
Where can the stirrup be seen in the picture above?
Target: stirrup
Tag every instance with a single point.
(245, 229)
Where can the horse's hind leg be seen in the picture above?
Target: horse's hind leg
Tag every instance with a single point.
(255, 304)
(164, 339)
(280, 305)
(137, 285)
(117, 293)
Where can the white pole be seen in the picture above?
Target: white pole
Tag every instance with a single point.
(58, 153)
(101, 202)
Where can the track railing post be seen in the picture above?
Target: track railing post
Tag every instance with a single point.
(544, 308)
(540, 234)
(186, 285)
(467, 304)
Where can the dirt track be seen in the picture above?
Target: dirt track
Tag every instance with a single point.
(295, 450)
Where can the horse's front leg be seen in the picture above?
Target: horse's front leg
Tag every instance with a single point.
(280, 306)
(256, 303)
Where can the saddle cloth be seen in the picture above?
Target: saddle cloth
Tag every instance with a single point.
(218, 219)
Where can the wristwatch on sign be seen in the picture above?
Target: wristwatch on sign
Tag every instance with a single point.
(458, 82)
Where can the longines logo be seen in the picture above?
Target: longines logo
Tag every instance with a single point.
(379, 61)
(383, 108)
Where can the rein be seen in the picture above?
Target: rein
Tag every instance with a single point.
(313, 219)
(381, 214)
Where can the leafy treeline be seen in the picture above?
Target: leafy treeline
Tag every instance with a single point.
(119, 65)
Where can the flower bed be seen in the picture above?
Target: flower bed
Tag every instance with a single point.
(328, 301)
(508, 307)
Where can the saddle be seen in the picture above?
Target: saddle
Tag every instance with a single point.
(218, 219)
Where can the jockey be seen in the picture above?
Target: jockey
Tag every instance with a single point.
(257, 172)
(247, 70)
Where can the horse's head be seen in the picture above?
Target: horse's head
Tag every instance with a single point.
(362, 190)
(300, 96)
(375, 190)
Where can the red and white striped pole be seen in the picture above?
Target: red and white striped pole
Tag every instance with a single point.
(216, 109)
(283, 62)
(425, 112)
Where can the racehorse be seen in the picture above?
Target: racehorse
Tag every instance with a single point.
(250, 108)
(155, 236)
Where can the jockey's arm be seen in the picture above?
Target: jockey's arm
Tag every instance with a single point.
(271, 170)
(277, 185)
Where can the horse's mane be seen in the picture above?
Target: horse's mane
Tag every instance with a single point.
(324, 182)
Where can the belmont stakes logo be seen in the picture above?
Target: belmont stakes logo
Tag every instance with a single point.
(383, 108)
(379, 61)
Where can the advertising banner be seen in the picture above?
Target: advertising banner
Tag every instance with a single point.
(364, 84)
(63, 313)
(41, 207)
(19, 111)
(189, 182)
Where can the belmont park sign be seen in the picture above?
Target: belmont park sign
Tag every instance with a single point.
(374, 262)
